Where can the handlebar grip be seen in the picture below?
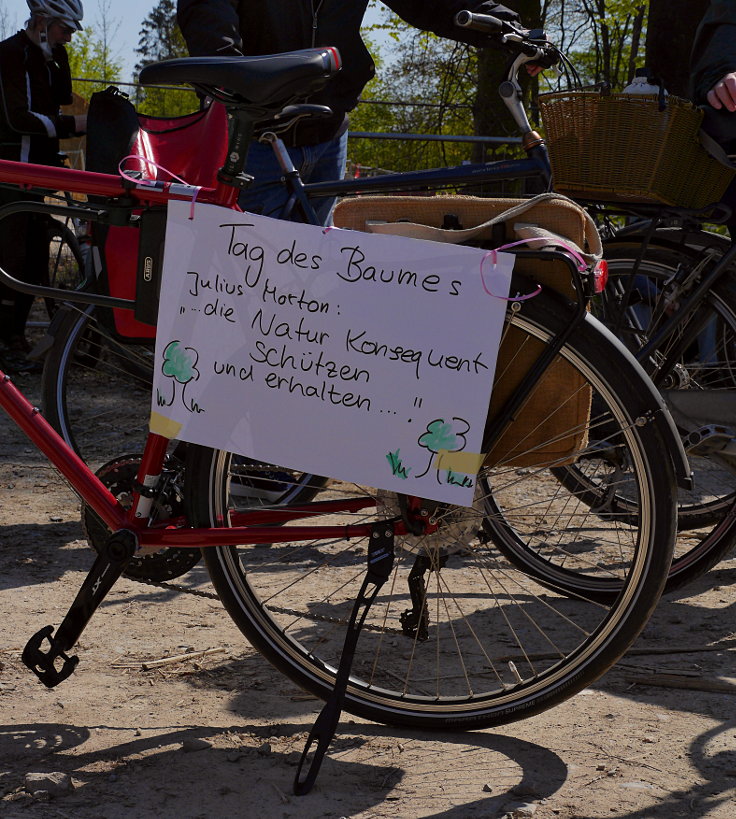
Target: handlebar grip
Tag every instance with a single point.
(479, 22)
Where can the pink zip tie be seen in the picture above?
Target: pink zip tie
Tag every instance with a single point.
(121, 171)
(494, 254)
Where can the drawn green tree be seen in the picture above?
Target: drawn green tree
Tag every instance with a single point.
(180, 364)
(443, 435)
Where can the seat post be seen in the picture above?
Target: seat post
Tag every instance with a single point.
(240, 127)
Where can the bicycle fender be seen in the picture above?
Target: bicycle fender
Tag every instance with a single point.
(655, 409)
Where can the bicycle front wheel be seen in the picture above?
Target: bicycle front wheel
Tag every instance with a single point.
(96, 390)
(65, 263)
(465, 633)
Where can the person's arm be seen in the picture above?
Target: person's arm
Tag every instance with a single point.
(14, 96)
(714, 52)
(210, 26)
(61, 77)
(438, 16)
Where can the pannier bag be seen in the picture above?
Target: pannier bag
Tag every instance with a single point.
(128, 260)
(540, 435)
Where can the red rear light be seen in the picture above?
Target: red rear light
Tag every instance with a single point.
(600, 276)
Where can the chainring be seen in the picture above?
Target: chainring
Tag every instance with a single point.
(119, 477)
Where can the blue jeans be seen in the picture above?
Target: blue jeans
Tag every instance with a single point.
(324, 162)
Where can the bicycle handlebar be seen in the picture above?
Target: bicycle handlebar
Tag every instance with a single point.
(532, 44)
(479, 22)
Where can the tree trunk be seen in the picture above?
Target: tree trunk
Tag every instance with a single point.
(490, 115)
(670, 33)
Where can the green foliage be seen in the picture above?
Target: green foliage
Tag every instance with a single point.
(90, 58)
(603, 38)
(160, 38)
(430, 81)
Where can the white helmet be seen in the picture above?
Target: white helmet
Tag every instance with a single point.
(69, 12)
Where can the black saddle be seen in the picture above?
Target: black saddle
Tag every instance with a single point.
(263, 83)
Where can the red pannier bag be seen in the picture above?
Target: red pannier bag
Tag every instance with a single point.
(192, 146)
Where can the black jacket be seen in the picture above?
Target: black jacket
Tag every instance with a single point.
(32, 89)
(250, 27)
(714, 49)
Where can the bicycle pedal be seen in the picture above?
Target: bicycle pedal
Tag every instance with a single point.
(42, 663)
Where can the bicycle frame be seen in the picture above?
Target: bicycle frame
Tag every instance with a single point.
(122, 195)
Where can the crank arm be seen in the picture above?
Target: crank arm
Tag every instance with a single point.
(106, 569)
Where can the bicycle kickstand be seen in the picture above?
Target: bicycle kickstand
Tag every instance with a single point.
(106, 569)
(380, 563)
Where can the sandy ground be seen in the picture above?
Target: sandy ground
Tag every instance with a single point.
(219, 734)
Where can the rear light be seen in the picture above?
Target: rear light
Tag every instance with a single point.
(600, 276)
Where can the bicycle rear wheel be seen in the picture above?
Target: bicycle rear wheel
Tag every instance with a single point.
(462, 636)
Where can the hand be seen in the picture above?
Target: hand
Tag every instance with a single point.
(532, 69)
(723, 93)
(80, 123)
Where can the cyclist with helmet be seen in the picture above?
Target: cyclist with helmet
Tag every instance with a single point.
(35, 82)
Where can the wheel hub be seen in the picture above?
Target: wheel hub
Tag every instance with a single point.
(452, 529)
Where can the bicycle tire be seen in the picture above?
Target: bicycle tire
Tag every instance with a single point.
(95, 390)
(66, 262)
(500, 645)
(709, 508)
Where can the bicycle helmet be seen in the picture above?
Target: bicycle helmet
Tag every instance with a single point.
(69, 12)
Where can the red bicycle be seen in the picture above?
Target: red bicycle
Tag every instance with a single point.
(452, 634)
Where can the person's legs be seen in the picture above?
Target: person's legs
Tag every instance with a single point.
(315, 163)
(24, 254)
(14, 307)
(267, 195)
(326, 163)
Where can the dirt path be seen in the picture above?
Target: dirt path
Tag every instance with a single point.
(219, 734)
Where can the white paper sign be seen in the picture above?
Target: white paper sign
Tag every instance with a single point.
(361, 357)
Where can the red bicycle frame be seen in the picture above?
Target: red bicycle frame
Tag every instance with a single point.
(248, 527)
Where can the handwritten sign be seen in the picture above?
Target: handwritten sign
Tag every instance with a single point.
(365, 358)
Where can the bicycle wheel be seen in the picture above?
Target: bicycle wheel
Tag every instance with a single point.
(66, 264)
(96, 390)
(459, 636)
(707, 369)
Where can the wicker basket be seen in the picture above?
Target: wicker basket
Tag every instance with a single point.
(622, 148)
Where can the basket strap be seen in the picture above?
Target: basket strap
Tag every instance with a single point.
(414, 230)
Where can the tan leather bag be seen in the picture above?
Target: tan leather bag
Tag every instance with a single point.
(552, 426)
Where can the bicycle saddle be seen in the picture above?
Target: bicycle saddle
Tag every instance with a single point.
(266, 81)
